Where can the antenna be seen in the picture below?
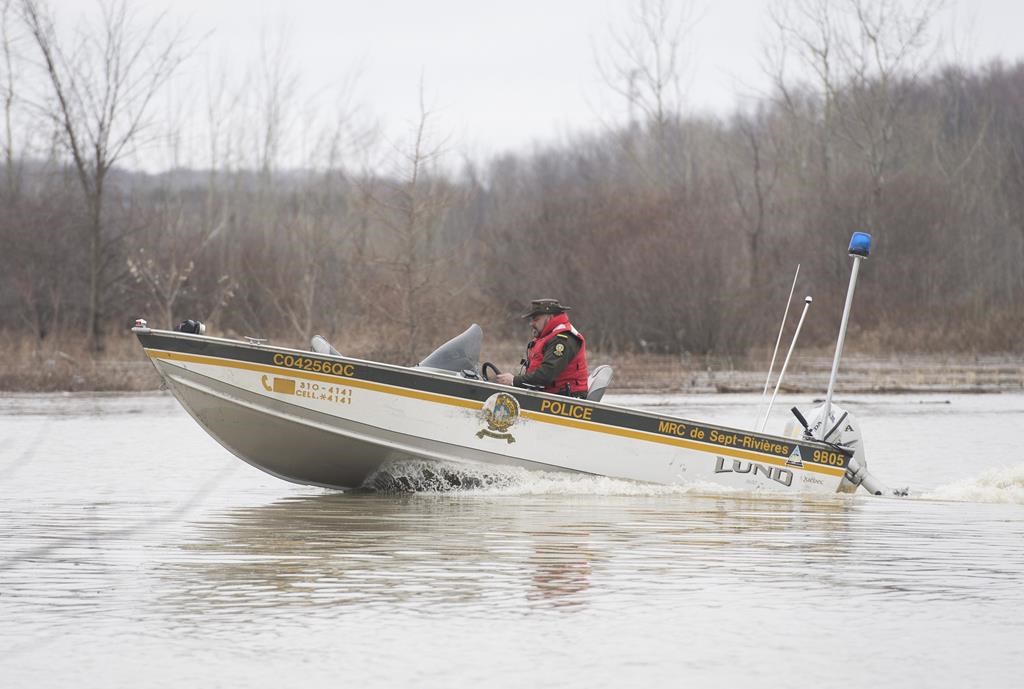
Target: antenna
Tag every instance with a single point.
(807, 305)
(860, 247)
(771, 367)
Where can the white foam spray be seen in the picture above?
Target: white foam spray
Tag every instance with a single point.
(1002, 485)
(440, 477)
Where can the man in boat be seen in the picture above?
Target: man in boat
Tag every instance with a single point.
(556, 358)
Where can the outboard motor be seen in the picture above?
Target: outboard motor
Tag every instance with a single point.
(843, 430)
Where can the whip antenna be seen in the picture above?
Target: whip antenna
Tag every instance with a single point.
(782, 326)
(785, 364)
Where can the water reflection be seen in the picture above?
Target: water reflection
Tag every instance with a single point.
(560, 572)
(482, 553)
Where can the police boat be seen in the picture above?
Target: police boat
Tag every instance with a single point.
(321, 418)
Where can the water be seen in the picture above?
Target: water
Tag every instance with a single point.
(134, 551)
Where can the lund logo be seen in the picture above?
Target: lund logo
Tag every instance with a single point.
(500, 412)
(777, 474)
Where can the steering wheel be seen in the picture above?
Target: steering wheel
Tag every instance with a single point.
(483, 371)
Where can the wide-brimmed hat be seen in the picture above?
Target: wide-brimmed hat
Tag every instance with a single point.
(539, 306)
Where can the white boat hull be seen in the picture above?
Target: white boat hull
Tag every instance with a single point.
(333, 421)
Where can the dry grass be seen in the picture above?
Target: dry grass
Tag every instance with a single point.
(810, 372)
(66, 364)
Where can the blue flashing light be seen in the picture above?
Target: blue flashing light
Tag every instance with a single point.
(860, 244)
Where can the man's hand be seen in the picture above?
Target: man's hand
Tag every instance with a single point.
(504, 378)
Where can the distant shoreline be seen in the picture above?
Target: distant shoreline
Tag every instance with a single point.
(123, 368)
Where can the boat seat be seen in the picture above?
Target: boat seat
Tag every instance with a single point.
(321, 346)
(598, 382)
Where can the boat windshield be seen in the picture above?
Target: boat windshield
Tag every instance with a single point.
(459, 354)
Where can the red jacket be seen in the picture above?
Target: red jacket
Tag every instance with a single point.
(575, 372)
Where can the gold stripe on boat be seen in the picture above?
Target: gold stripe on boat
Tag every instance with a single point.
(324, 378)
(469, 404)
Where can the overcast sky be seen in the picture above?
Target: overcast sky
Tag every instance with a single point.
(502, 75)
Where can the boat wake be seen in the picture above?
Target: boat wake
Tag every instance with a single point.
(1003, 485)
(417, 476)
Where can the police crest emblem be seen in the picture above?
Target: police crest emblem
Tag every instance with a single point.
(500, 413)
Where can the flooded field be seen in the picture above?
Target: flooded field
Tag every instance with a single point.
(135, 551)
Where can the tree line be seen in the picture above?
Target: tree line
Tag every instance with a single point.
(667, 232)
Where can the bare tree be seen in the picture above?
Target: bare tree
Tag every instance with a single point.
(806, 28)
(863, 55)
(7, 94)
(887, 55)
(645, 65)
(414, 257)
(754, 174)
(167, 252)
(102, 85)
(275, 83)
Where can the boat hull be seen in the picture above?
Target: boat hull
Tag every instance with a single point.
(333, 421)
(302, 445)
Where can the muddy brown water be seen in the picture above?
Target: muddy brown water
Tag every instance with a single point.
(134, 551)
